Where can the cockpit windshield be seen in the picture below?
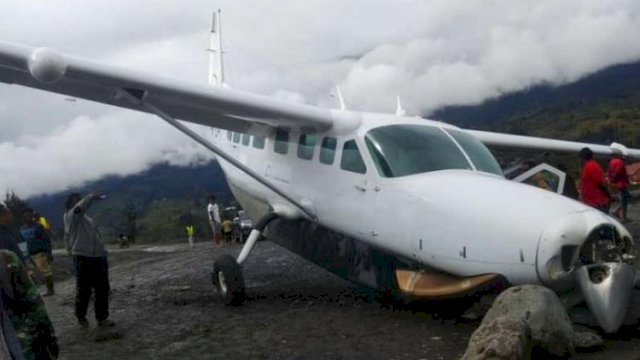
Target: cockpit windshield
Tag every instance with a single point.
(401, 150)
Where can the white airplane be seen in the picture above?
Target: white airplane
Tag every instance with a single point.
(397, 203)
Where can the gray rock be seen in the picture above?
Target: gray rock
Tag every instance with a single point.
(587, 340)
(502, 339)
(544, 326)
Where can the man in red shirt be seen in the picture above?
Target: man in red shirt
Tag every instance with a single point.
(593, 187)
(619, 179)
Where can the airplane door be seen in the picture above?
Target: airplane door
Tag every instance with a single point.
(544, 176)
(351, 189)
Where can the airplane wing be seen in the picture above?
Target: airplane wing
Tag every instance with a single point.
(48, 70)
(509, 141)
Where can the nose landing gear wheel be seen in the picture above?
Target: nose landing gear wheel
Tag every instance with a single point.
(228, 280)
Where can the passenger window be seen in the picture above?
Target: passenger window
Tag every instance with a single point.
(258, 142)
(351, 158)
(228, 135)
(305, 146)
(236, 137)
(246, 139)
(281, 146)
(328, 150)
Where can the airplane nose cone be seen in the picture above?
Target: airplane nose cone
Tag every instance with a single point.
(607, 289)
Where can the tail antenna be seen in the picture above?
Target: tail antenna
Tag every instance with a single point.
(399, 110)
(343, 104)
(216, 69)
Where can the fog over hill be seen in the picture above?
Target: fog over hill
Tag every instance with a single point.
(160, 183)
(433, 53)
(602, 107)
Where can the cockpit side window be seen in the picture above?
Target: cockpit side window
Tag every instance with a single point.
(381, 164)
(236, 137)
(477, 152)
(351, 159)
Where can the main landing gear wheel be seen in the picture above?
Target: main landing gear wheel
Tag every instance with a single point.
(228, 280)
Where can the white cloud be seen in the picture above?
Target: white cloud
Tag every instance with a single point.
(88, 149)
(431, 52)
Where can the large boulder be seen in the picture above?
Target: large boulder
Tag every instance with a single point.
(535, 311)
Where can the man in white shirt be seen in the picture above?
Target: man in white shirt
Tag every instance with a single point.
(214, 218)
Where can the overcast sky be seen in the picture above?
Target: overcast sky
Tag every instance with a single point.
(431, 53)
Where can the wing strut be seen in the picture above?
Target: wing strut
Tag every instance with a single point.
(138, 99)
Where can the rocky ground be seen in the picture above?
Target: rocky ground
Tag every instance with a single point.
(164, 306)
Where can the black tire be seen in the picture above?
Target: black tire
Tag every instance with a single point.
(228, 280)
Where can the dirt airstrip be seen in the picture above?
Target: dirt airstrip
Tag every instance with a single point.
(164, 306)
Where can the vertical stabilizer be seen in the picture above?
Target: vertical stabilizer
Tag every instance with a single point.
(216, 69)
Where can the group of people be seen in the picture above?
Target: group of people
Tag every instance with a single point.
(595, 185)
(26, 332)
(221, 229)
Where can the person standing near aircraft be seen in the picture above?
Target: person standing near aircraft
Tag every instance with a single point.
(43, 221)
(84, 243)
(190, 234)
(619, 179)
(8, 240)
(38, 246)
(213, 211)
(227, 228)
(23, 314)
(593, 187)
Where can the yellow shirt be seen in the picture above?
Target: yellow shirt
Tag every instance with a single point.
(189, 230)
(226, 226)
(45, 224)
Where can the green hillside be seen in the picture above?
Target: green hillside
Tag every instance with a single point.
(602, 107)
(603, 121)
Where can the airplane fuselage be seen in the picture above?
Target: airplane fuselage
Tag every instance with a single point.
(464, 220)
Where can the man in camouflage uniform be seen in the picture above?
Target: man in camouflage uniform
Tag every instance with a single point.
(23, 305)
(9, 344)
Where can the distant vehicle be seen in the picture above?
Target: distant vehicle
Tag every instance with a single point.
(244, 223)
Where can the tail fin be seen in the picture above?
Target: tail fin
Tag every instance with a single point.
(216, 69)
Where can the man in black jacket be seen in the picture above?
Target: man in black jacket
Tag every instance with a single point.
(84, 243)
(38, 246)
